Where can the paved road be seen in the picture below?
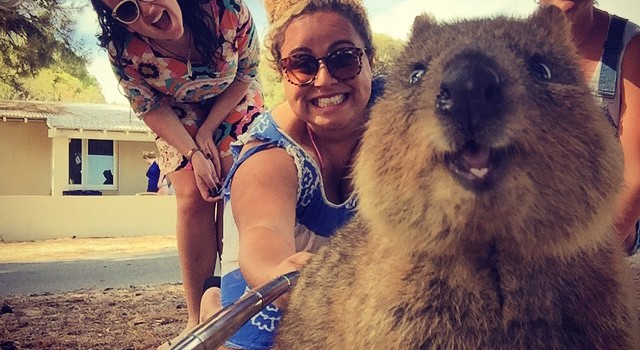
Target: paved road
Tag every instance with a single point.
(55, 277)
(132, 269)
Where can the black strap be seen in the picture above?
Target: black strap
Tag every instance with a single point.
(211, 282)
(610, 58)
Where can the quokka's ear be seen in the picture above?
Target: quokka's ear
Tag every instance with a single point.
(421, 25)
(554, 22)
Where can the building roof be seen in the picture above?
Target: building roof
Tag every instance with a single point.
(78, 116)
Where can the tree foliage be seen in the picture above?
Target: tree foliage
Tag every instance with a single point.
(270, 80)
(387, 50)
(58, 85)
(35, 35)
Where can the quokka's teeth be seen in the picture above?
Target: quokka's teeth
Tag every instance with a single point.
(480, 173)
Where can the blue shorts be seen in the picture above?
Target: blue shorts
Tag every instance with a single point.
(260, 331)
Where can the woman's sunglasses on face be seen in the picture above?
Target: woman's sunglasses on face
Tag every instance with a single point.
(127, 11)
(301, 69)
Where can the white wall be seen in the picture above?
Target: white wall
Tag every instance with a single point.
(27, 218)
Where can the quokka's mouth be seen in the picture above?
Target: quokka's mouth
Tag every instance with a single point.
(475, 165)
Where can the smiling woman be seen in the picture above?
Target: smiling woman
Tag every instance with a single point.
(298, 156)
(188, 68)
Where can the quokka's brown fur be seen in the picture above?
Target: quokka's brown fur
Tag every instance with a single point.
(523, 257)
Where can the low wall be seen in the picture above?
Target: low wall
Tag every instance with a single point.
(28, 218)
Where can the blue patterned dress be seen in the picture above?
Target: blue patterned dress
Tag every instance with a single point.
(316, 220)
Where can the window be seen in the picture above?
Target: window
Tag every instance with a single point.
(92, 164)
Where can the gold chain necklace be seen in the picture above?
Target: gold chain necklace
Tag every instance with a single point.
(177, 55)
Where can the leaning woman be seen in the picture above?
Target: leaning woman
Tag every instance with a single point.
(188, 68)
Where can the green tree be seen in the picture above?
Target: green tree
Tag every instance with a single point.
(58, 85)
(35, 35)
(271, 81)
(387, 50)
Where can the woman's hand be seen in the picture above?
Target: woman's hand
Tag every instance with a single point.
(166, 124)
(206, 177)
(293, 263)
(204, 140)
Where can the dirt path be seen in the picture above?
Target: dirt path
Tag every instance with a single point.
(131, 318)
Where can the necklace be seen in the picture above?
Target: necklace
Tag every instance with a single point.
(315, 147)
(189, 72)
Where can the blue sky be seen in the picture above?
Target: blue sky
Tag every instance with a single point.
(392, 17)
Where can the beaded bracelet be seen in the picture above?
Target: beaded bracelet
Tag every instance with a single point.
(192, 152)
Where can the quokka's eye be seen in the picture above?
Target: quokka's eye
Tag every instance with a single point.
(539, 69)
(417, 73)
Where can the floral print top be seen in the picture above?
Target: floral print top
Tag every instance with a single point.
(148, 77)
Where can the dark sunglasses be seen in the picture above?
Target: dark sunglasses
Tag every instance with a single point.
(127, 11)
(301, 69)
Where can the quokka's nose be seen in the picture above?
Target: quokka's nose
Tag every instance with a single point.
(470, 91)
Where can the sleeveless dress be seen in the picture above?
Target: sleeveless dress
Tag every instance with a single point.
(606, 82)
(316, 220)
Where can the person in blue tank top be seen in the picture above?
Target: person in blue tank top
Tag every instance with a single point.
(290, 187)
(609, 51)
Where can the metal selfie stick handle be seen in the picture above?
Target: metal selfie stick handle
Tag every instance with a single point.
(218, 328)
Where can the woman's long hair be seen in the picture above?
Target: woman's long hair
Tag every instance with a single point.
(193, 15)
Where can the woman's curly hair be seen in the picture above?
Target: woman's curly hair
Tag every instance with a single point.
(281, 13)
(193, 15)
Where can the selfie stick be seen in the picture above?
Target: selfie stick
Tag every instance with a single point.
(218, 328)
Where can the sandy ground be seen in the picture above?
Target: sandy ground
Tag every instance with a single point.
(83, 248)
(130, 318)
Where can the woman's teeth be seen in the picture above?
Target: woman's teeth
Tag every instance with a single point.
(329, 101)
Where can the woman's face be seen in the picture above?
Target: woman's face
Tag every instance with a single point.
(158, 19)
(326, 102)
